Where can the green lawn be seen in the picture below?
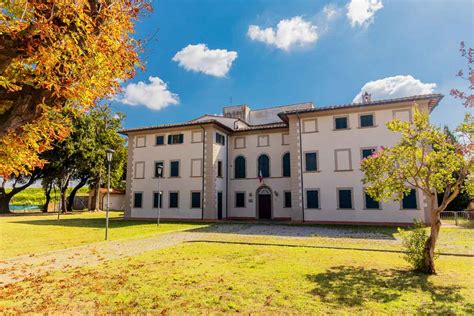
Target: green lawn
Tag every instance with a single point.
(202, 278)
(38, 233)
(35, 196)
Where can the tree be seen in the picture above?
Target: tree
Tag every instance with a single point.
(56, 55)
(19, 183)
(467, 98)
(82, 155)
(424, 158)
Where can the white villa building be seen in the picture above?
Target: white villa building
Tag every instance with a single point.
(293, 163)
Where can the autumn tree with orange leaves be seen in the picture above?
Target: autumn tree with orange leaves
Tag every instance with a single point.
(58, 57)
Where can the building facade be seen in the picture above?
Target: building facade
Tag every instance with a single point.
(294, 163)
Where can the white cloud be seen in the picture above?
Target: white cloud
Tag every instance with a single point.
(199, 58)
(331, 11)
(287, 34)
(361, 12)
(395, 87)
(154, 95)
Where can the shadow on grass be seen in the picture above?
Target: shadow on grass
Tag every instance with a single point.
(357, 286)
(238, 228)
(99, 222)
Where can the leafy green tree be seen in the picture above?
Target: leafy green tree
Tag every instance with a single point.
(426, 159)
(18, 184)
(82, 156)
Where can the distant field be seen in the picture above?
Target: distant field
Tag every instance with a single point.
(35, 196)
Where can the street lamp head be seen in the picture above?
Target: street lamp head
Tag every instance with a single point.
(160, 170)
(110, 153)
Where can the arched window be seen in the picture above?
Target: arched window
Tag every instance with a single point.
(263, 166)
(239, 165)
(286, 165)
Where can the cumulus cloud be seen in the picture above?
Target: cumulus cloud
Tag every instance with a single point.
(154, 95)
(395, 87)
(287, 34)
(199, 58)
(361, 12)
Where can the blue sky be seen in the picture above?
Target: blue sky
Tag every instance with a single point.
(268, 53)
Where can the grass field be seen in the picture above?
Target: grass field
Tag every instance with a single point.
(204, 277)
(35, 196)
(38, 233)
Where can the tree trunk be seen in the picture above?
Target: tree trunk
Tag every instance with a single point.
(429, 250)
(95, 202)
(47, 193)
(5, 203)
(72, 195)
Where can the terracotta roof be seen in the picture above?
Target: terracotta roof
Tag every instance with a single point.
(162, 126)
(262, 126)
(436, 98)
(112, 191)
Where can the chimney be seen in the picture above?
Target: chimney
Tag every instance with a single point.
(366, 97)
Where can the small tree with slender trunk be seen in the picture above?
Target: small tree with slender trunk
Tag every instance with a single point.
(425, 159)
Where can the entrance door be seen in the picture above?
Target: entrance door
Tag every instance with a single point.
(264, 206)
(219, 205)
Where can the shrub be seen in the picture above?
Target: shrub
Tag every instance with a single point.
(413, 242)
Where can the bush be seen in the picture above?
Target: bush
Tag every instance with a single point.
(413, 242)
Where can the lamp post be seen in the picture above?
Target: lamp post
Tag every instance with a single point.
(110, 153)
(159, 172)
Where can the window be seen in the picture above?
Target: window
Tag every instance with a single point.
(310, 126)
(341, 123)
(286, 165)
(239, 199)
(285, 139)
(239, 167)
(367, 152)
(370, 203)
(219, 168)
(157, 170)
(175, 139)
(402, 115)
(174, 199)
(137, 199)
(343, 159)
(159, 140)
(311, 162)
(366, 120)
(174, 169)
(139, 170)
(140, 141)
(263, 166)
(195, 199)
(196, 137)
(220, 139)
(196, 167)
(287, 199)
(263, 141)
(157, 197)
(409, 201)
(312, 199)
(344, 198)
(239, 142)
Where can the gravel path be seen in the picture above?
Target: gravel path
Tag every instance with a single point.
(22, 267)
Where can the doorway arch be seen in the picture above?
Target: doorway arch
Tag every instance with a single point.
(264, 205)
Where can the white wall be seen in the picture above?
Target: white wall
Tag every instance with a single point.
(276, 182)
(325, 141)
(183, 184)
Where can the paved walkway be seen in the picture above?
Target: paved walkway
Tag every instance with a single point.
(22, 267)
